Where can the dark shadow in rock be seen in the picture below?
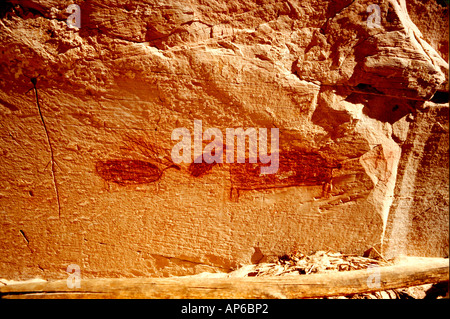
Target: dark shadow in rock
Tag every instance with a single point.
(440, 97)
(257, 256)
(383, 108)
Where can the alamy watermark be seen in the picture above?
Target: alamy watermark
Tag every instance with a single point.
(374, 278)
(374, 20)
(74, 20)
(216, 150)
(74, 279)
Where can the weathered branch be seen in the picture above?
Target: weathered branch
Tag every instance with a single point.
(432, 270)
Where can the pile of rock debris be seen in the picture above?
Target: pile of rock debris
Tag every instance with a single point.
(297, 263)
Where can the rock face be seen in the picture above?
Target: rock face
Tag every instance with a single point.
(87, 117)
(418, 218)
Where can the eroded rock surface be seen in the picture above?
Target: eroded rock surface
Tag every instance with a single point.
(87, 116)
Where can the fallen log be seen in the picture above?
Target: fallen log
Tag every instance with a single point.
(405, 274)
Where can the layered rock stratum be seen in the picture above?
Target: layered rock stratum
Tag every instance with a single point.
(87, 116)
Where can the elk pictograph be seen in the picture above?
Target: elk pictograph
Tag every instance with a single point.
(296, 168)
(129, 171)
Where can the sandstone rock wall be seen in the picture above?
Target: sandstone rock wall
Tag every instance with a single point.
(87, 115)
(418, 218)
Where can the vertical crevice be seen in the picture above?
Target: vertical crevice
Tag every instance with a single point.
(26, 240)
(52, 163)
(24, 236)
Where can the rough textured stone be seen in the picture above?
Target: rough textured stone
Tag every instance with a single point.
(431, 17)
(87, 177)
(418, 219)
